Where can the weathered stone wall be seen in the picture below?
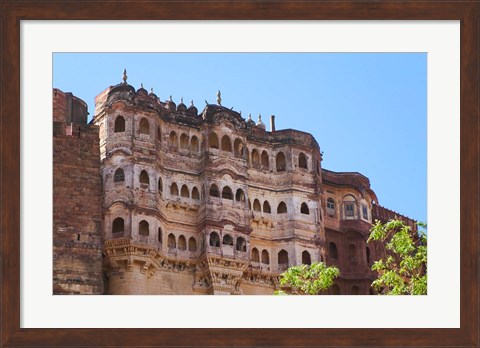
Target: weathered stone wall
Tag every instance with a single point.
(77, 200)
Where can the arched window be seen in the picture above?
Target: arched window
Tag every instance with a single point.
(266, 207)
(349, 206)
(227, 193)
(195, 193)
(173, 140)
(306, 259)
(194, 144)
(256, 205)
(302, 161)
(281, 162)
(172, 244)
(332, 250)
(369, 259)
(255, 158)
(214, 191)
(159, 133)
(240, 196)
(159, 235)
(264, 159)
(213, 141)
(226, 144)
(160, 185)
(238, 148)
(192, 244)
(365, 211)
(265, 257)
(118, 225)
(283, 259)
(184, 192)
(255, 255)
(143, 228)
(304, 209)
(331, 207)
(282, 208)
(174, 190)
(144, 126)
(182, 243)
(119, 125)
(184, 141)
(355, 290)
(335, 289)
(214, 239)
(144, 179)
(227, 240)
(241, 244)
(119, 175)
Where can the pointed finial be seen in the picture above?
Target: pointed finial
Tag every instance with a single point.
(219, 98)
(181, 100)
(171, 98)
(191, 102)
(124, 76)
(151, 90)
(249, 117)
(141, 85)
(240, 112)
(259, 118)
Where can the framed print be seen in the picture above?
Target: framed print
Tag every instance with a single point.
(32, 316)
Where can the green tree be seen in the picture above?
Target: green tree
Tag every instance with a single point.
(403, 271)
(307, 279)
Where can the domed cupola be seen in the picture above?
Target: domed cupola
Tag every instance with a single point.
(170, 104)
(122, 89)
(142, 91)
(181, 107)
(192, 109)
(152, 95)
(260, 124)
(250, 121)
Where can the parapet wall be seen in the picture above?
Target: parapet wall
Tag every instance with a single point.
(383, 214)
(345, 178)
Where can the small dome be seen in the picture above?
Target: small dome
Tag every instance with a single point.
(181, 107)
(141, 90)
(260, 124)
(192, 109)
(170, 104)
(152, 95)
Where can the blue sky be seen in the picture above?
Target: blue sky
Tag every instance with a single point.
(366, 110)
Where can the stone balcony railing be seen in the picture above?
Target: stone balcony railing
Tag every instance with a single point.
(228, 251)
(260, 266)
(356, 225)
(117, 235)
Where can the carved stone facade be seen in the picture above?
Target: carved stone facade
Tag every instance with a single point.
(210, 203)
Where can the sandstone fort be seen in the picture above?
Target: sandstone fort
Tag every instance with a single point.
(152, 197)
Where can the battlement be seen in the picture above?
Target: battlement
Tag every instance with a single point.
(68, 108)
(384, 214)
